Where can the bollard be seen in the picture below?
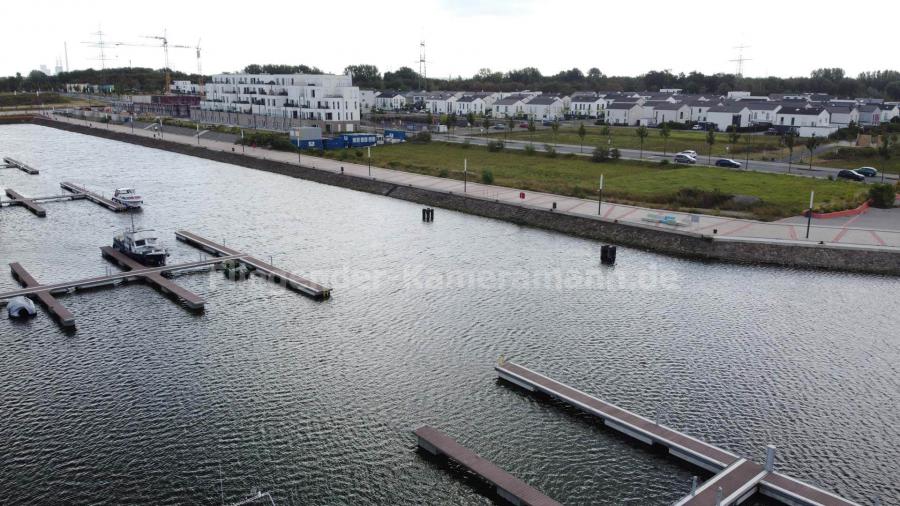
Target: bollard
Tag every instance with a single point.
(607, 254)
(554, 205)
(770, 458)
(612, 255)
(342, 169)
(719, 497)
(694, 486)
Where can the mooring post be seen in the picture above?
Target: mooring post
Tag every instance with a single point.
(694, 486)
(719, 497)
(770, 458)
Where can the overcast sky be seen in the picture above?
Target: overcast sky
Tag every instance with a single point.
(620, 38)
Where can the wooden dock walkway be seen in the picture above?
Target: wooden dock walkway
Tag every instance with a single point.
(737, 477)
(46, 299)
(93, 197)
(508, 486)
(15, 164)
(260, 268)
(155, 278)
(20, 200)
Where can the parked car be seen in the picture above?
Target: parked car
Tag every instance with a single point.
(867, 171)
(690, 152)
(772, 131)
(728, 162)
(851, 175)
(523, 124)
(697, 127)
(547, 122)
(685, 159)
(499, 126)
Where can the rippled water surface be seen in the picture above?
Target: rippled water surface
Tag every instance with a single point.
(315, 401)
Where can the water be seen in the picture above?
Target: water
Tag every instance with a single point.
(315, 401)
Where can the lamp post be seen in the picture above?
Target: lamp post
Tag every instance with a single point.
(369, 152)
(198, 134)
(465, 173)
(809, 215)
(160, 127)
(243, 150)
(600, 196)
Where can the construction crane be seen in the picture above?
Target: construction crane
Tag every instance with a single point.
(199, 68)
(164, 43)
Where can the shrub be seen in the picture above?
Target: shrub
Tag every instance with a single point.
(423, 137)
(614, 153)
(550, 150)
(358, 153)
(443, 173)
(882, 195)
(343, 154)
(466, 144)
(600, 155)
(487, 177)
(569, 156)
(664, 162)
(495, 146)
(695, 197)
(529, 149)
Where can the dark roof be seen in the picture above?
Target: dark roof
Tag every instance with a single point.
(467, 98)
(839, 109)
(869, 108)
(543, 100)
(731, 107)
(585, 98)
(388, 94)
(669, 106)
(622, 105)
(762, 106)
(801, 111)
(510, 100)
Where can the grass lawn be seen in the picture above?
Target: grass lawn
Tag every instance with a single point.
(761, 146)
(864, 158)
(643, 183)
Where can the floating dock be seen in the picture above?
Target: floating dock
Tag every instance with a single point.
(736, 479)
(508, 486)
(20, 200)
(258, 267)
(15, 164)
(93, 197)
(151, 275)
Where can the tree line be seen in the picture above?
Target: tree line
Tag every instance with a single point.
(834, 81)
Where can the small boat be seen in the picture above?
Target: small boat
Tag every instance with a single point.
(141, 245)
(128, 198)
(20, 307)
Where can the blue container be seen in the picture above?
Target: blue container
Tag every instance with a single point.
(336, 143)
(308, 144)
(359, 140)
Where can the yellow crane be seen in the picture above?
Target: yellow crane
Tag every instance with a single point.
(164, 43)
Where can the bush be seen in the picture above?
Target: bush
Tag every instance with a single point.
(358, 153)
(343, 154)
(695, 197)
(882, 195)
(466, 144)
(614, 153)
(600, 155)
(664, 162)
(550, 150)
(423, 137)
(443, 173)
(487, 177)
(529, 149)
(495, 146)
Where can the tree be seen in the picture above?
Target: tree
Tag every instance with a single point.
(452, 119)
(531, 129)
(364, 75)
(555, 127)
(665, 131)
(733, 137)
(486, 123)
(811, 144)
(885, 146)
(429, 118)
(789, 140)
(510, 123)
(642, 134)
(581, 133)
(470, 118)
(710, 140)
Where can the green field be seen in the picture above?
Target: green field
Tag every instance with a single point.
(862, 157)
(643, 183)
(760, 146)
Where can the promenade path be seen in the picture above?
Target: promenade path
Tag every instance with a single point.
(822, 231)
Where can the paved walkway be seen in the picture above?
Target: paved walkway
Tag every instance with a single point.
(722, 228)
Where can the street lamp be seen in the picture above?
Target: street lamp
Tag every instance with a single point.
(465, 173)
(369, 151)
(809, 215)
(600, 196)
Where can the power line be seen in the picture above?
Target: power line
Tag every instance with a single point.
(740, 59)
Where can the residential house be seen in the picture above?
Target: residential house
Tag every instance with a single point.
(842, 115)
(806, 121)
(367, 100)
(390, 101)
(623, 113)
(869, 115)
(587, 106)
(669, 112)
(889, 111)
(512, 106)
(544, 107)
(762, 113)
(732, 114)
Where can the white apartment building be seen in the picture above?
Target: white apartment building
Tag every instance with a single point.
(325, 100)
(184, 87)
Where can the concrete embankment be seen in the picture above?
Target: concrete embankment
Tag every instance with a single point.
(678, 243)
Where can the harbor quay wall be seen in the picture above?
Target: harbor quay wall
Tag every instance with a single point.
(646, 237)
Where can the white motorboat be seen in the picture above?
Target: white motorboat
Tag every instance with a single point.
(20, 307)
(128, 198)
(141, 245)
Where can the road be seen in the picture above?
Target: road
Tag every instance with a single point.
(654, 156)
